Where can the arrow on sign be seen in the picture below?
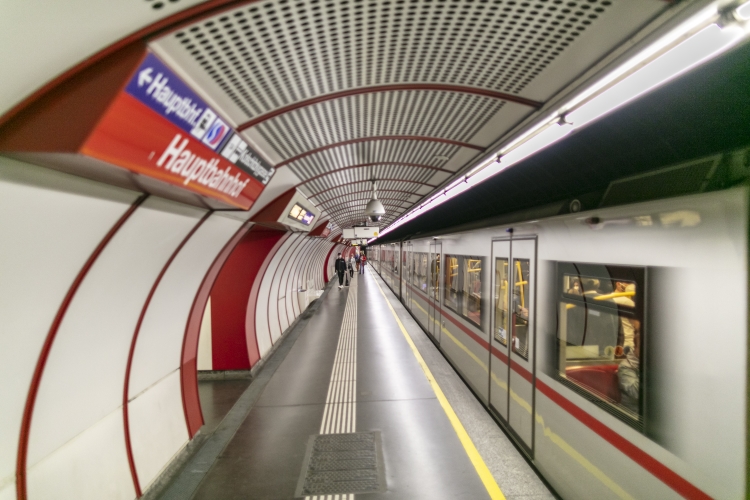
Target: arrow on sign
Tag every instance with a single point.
(144, 76)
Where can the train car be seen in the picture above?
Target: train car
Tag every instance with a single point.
(611, 344)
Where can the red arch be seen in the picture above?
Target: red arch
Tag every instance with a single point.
(410, 193)
(380, 138)
(170, 23)
(353, 210)
(363, 165)
(188, 359)
(361, 201)
(463, 89)
(28, 411)
(131, 353)
(381, 179)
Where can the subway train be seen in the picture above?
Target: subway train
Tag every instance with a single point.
(610, 344)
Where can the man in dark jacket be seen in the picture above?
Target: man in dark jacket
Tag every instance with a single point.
(340, 267)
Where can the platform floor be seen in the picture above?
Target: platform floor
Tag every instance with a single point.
(349, 369)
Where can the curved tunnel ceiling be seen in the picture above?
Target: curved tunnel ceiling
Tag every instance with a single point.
(408, 92)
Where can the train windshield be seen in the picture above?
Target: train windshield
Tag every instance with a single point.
(600, 331)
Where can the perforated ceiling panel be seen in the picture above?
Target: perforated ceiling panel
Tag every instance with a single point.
(392, 89)
(408, 113)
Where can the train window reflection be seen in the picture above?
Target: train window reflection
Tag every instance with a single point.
(600, 320)
(420, 271)
(435, 277)
(501, 301)
(520, 311)
(473, 289)
(451, 282)
(463, 286)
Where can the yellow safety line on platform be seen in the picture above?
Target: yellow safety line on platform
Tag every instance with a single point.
(476, 459)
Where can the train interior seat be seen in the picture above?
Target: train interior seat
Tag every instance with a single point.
(601, 378)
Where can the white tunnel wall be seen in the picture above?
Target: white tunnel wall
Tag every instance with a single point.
(263, 302)
(287, 294)
(282, 292)
(157, 420)
(81, 393)
(298, 259)
(51, 223)
(295, 281)
(277, 307)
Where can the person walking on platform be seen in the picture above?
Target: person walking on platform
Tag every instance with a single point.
(356, 260)
(340, 267)
(351, 266)
(362, 262)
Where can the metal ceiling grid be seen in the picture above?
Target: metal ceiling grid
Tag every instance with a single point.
(369, 173)
(270, 54)
(363, 199)
(406, 113)
(457, 70)
(396, 185)
(373, 152)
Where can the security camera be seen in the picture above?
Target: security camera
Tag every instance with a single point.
(374, 209)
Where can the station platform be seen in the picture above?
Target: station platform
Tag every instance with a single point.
(355, 401)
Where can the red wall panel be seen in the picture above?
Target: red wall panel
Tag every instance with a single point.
(229, 300)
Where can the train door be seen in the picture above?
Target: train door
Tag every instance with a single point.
(512, 360)
(499, 342)
(433, 291)
(408, 274)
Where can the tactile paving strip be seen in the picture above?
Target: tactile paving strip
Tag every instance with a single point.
(343, 464)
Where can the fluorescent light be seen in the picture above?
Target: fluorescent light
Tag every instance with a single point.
(528, 133)
(743, 11)
(695, 22)
(690, 53)
(482, 165)
(683, 48)
(548, 136)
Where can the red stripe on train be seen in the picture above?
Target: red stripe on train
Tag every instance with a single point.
(656, 468)
(649, 463)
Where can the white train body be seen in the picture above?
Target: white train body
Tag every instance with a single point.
(626, 332)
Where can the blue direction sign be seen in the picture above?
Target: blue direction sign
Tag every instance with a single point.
(156, 86)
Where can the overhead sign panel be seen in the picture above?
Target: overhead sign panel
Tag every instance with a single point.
(158, 126)
(156, 86)
(361, 232)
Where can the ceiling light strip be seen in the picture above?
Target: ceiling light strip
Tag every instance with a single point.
(699, 39)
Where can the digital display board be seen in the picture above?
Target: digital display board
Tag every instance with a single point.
(301, 214)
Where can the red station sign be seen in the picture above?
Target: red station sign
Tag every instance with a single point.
(133, 136)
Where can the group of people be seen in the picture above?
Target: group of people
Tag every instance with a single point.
(356, 261)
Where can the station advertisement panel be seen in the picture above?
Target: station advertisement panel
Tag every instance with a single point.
(158, 127)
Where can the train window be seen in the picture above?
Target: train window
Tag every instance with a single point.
(473, 289)
(600, 331)
(420, 267)
(435, 277)
(451, 282)
(463, 286)
(520, 311)
(501, 301)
